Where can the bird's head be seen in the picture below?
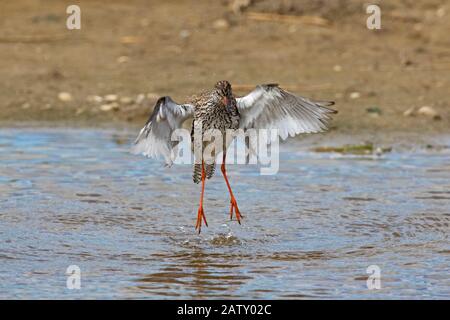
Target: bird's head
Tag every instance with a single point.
(223, 88)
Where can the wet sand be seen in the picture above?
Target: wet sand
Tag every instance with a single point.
(139, 50)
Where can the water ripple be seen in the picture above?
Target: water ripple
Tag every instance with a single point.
(310, 231)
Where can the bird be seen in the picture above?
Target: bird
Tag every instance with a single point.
(268, 106)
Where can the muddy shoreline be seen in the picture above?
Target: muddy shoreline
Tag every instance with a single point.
(327, 142)
(112, 70)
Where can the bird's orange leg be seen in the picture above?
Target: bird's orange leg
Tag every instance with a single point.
(201, 213)
(233, 199)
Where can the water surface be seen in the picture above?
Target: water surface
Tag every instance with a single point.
(77, 197)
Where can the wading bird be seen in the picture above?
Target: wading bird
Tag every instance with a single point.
(267, 107)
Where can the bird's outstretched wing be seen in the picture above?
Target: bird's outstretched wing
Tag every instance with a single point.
(270, 107)
(154, 139)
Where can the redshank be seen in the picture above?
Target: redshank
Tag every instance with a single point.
(266, 107)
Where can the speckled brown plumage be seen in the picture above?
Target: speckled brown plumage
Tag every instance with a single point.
(212, 112)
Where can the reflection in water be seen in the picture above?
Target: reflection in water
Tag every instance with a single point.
(78, 197)
(197, 273)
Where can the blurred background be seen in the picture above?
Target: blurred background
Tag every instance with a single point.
(372, 191)
(128, 53)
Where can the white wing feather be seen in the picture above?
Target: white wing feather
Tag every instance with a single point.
(154, 139)
(270, 107)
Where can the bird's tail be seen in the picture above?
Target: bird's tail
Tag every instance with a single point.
(209, 168)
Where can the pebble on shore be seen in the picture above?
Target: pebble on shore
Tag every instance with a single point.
(221, 24)
(111, 97)
(96, 99)
(109, 107)
(426, 111)
(65, 96)
(355, 95)
(429, 112)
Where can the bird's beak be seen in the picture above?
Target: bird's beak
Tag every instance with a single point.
(228, 102)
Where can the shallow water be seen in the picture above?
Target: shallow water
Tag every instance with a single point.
(77, 197)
